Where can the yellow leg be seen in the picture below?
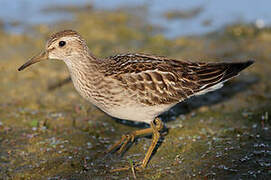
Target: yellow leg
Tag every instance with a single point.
(125, 139)
(155, 137)
(154, 129)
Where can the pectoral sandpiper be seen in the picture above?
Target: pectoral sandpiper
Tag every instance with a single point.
(136, 87)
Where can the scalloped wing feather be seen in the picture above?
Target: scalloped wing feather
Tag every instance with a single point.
(157, 80)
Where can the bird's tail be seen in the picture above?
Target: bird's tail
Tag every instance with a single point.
(211, 76)
(235, 68)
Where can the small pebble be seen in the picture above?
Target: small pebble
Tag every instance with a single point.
(89, 145)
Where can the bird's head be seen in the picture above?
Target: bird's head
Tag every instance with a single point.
(62, 45)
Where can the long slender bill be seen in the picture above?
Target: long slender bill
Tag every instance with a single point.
(40, 57)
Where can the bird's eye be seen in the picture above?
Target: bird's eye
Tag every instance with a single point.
(61, 43)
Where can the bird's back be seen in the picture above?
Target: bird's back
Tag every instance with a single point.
(159, 80)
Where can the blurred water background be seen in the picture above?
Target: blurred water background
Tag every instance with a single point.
(176, 17)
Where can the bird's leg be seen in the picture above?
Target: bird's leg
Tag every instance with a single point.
(154, 129)
(155, 137)
(125, 139)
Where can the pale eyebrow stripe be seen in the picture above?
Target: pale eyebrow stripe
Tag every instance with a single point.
(61, 34)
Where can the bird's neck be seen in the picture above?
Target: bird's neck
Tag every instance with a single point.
(82, 61)
(85, 74)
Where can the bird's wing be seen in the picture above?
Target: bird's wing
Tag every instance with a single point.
(159, 80)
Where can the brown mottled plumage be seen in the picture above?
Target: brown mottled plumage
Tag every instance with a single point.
(169, 80)
(135, 87)
(61, 34)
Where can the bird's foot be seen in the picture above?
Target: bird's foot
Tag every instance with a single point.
(137, 167)
(156, 126)
(122, 143)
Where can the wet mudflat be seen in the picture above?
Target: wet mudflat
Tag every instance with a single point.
(58, 135)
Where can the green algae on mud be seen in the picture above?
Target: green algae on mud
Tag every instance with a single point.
(56, 134)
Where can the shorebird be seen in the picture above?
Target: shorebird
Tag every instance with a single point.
(135, 87)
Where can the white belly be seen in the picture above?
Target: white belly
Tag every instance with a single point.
(129, 109)
(138, 113)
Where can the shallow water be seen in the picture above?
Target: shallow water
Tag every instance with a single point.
(212, 14)
(57, 135)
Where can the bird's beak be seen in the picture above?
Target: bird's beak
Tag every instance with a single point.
(40, 57)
